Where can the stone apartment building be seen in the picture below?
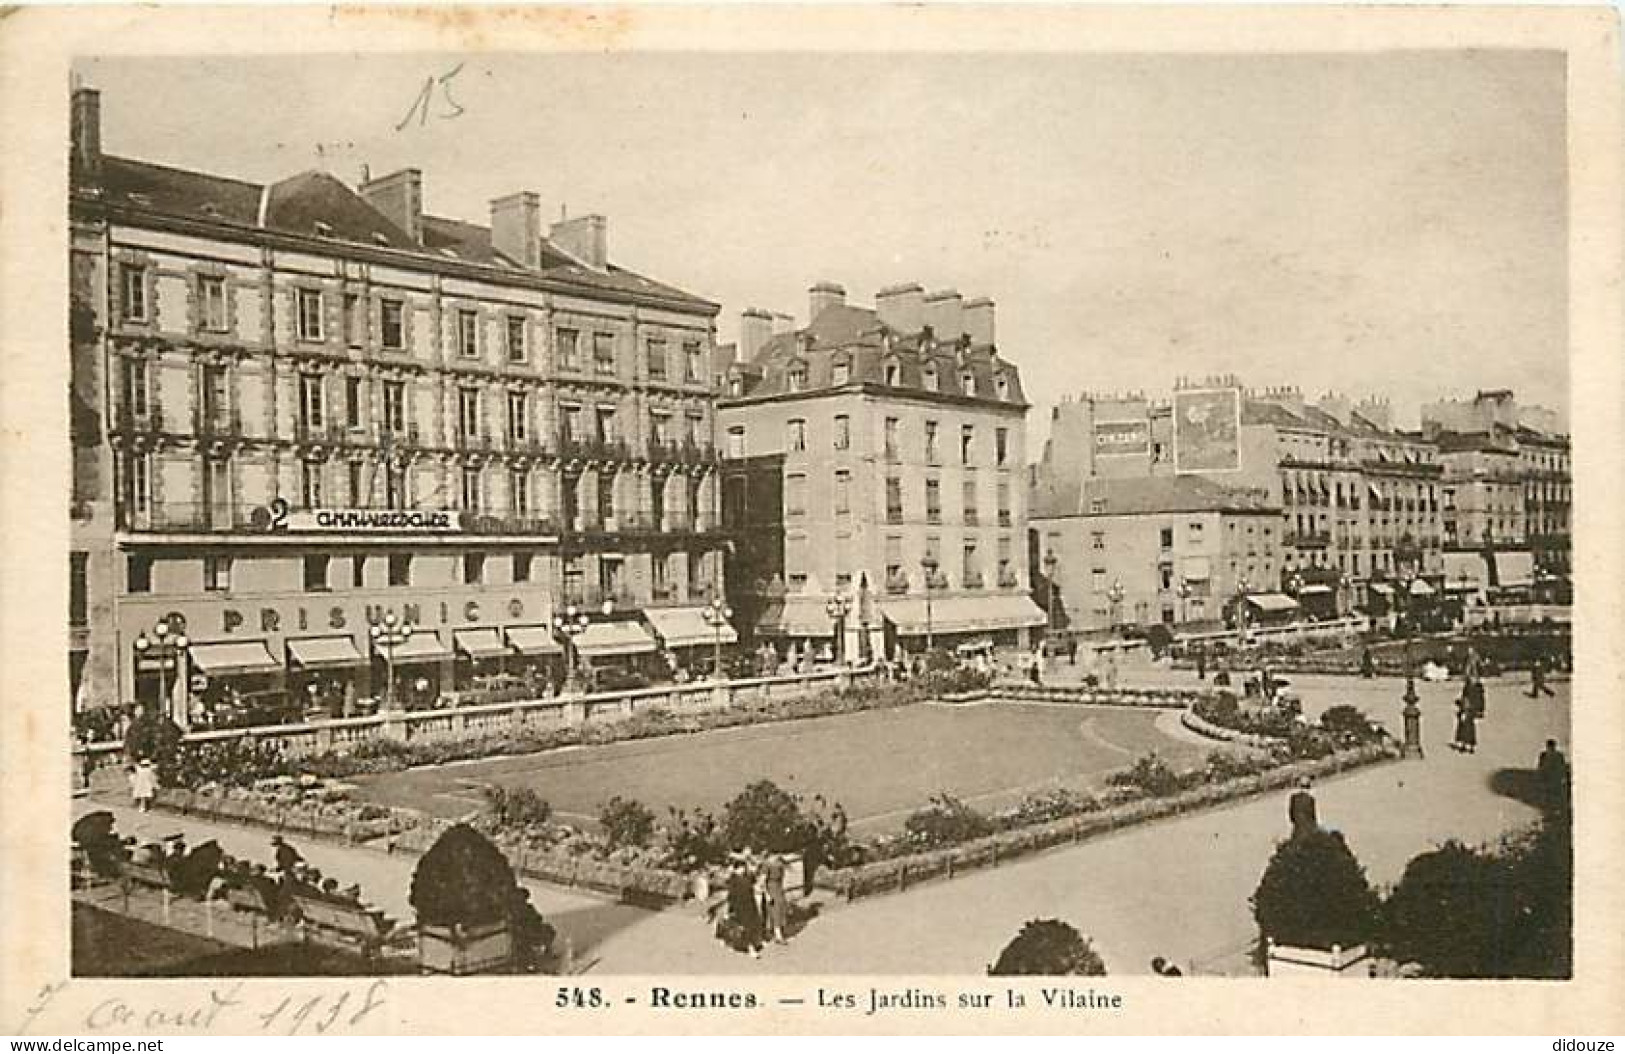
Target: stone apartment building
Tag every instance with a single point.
(299, 407)
(877, 454)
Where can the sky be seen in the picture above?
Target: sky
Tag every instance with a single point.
(1390, 223)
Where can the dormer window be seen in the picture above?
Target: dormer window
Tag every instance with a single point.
(967, 382)
(840, 373)
(1002, 386)
(928, 377)
(796, 376)
(894, 374)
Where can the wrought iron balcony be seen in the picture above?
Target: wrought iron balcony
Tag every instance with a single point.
(592, 448)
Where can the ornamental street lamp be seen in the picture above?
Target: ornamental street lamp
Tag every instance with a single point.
(387, 635)
(165, 646)
(1051, 562)
(571, 624)
(837, 607)
(1242, 587)
(928, 564)
(716, 615)
(1115, 595)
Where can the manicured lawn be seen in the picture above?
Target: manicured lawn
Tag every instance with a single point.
(880, 765)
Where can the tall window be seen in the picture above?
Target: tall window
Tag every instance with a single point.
(606, 424)
(603, 353)
(358, 571)
(519, 491)
(517, 351)
(138, 573)
(473, 569)
(606, 498)
(79, 589)
(1004, 503)
(353, 320)
(518, 416)
(894, 375)
(310, 484)
(795, 440)
(211, 295)
(574, 426)
(797, 376)
(316, 572)
(795, 494)
(137, 489)
(894, 500)
(890, 438)
(309, 312)
(353, 401)
(933, 501)
(694, 369)
(1097, 540)
(311, 401)
(1007, 570)
(392, 324)
(217, 491)
(654, 350)
(967, 382)
(215, 391)
(660, 426)
(395, 496)
(468, 334)
(928, 377)
(358, 485)
(135, 387)
(796, 561)
(971, 569)
(967, 444)
(969, 496)
(696, 431)
(894, 560)
(1001, 384)
(843, 432)
(930, 442)
(216, 573)
(471, 487)
(132, 293)
(840, 373)
(843, 492)
(468, 413)
(522, 567)
(568, 344)
(395, 406)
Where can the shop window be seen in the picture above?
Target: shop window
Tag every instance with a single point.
(400, 569)
(316, 573)
(216, 573)
(473, 569)
(139, 573)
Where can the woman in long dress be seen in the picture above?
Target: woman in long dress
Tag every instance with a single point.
(1466, 725)
(744, 912)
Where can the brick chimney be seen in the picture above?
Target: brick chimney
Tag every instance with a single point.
(87, 132)
(902, 307)
(584, 237)
(755, 330)
(979, 321)
(399, 196)
(945, 314)
(516, 228)
(821, 296)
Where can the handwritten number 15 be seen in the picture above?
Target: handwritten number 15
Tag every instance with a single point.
(425, 100)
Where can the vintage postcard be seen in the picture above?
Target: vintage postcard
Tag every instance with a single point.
(805, 519)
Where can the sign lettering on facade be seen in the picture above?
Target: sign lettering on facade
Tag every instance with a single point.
(1122, 437)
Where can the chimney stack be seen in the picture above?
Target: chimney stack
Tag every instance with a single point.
(821, 296)
(755, 330)
(783, 323)
(87, 132)
(584, 237)
(1337, 405)
(945, 314)
(902, 307)
(516, 228)
(399, 196)
(979, 322)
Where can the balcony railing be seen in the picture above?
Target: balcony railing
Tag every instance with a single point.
(594, 597)
(325, 432)
(478, 442)
(406, 435)
(1008, 579)
(672, 452)
(178, 516)
(1308, 539)
(222, 424)
(973, 580)
(593, 448)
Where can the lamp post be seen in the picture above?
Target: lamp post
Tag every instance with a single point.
(1051, 563)
(389, 634)
(717, 615)
(837, 607)
(1115, 595)
(572, 624)
(1242, 586)
(165, 645)
(928, 564)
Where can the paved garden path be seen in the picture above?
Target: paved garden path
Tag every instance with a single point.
(1176, 888)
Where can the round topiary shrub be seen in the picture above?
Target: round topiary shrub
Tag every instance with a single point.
(1454, 913)
(763, 818)
(1314, 894)
(1048, 948)
(463, 880)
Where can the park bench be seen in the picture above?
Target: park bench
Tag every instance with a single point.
(153, 876)
(247, 897)
(369, 928)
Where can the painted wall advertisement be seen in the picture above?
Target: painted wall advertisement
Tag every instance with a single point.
(1113, 438)
(1207, 430)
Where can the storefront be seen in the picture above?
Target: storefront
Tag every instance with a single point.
(951, 621)
(688, 638)
(325, 677)
(1317, 601)
(418, 662)
(616, 655)
(1268, 609)
(481, 658)
(538, 659)
(235, 683)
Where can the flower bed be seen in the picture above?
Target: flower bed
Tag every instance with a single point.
(311, 807)
(1165, 698)
(1129, 808)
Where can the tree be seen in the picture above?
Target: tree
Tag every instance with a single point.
(626, 822)
(152, 736)
(1453, 913)
(763, 818)
(1048, 947)
(463, 880)
(1314, 894)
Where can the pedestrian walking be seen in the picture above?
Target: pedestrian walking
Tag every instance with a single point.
(778, 905)
(1368, 665)
(143, 784)
(1201, 663)
(1466, 726)
(1072, 651)
(1537, 678)
(1302, 811)
(284, 855)
(744, 920)
(1553, 771)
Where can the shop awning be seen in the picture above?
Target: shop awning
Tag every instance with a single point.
(423, 646)
(233, 659)
(1420, 588)
(322, 653)
(1195, 569)
(602, 639)
(483, 643)
(533, 640)
(1514, 569)
(1382, 587)
(686, 627)
(963, 614)
(1313, 589)
(1272, 603)
(797, 617)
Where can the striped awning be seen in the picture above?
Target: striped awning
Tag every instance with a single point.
(533, 640)
(424, 645)
(603, 639)
(484, 643)
(962, 614)
(687, 627)
(323, 653)
(233, 659)
(1271, 602)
